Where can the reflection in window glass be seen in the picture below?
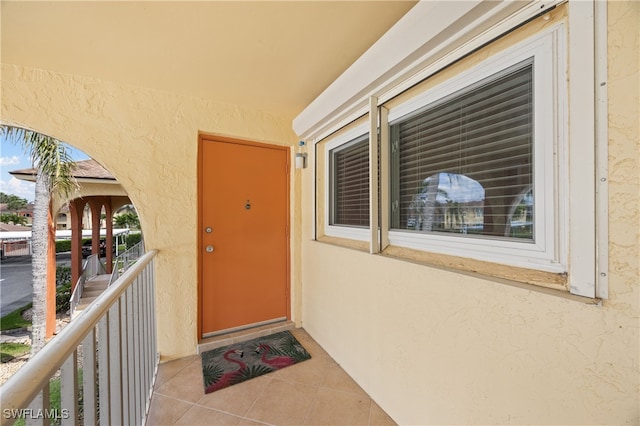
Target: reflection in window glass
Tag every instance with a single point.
(447, 202)
(463, 164)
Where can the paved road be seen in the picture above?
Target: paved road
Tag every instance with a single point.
(16, 284)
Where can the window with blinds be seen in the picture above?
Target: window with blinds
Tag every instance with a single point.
(349, 183)
(464, 165)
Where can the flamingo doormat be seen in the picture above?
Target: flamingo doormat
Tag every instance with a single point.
(236, 363)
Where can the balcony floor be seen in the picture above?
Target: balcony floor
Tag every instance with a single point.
(313, 392)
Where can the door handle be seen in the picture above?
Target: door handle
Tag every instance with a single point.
(209, 249)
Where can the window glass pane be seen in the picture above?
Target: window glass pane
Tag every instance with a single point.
(350, 184)
(463, 165)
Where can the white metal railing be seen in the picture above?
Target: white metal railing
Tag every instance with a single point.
(92, 267)
(76, 295)
(111, 345)
(126, 259)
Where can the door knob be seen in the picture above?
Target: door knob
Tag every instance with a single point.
(209, 249)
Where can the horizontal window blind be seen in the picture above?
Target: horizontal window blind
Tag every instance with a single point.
(464, 164)
(350, 184)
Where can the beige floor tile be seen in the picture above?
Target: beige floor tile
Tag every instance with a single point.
(236, 399)
(197, 416)
(378, 417)
(247, 422)
(283, 403)
(186, 386)
(165, 411)
(168, 370)
(313, 392)
(339, 408)
(309, 372)
(336, 379)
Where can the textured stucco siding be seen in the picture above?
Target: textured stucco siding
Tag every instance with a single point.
(149, 141)
(436, 346)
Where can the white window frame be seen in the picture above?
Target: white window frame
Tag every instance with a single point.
(413, 50)
(548, 250)
(342, 231)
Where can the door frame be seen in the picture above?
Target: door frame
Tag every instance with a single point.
(208, 137)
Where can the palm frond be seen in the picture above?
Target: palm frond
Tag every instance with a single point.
(48, 155)
(289, 346)
(208, 356)
(211, 374)
(251, 372)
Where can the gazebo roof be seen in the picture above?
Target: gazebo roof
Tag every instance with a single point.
(85, 169)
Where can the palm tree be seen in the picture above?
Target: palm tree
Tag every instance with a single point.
(53, 166)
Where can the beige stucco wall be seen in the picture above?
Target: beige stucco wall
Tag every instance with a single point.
(148, 140)
(434, 346)
(429, 345)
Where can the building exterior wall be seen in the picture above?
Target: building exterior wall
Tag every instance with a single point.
(439, 346)
(148, 140)
(430, 345)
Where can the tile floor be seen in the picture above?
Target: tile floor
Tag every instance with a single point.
(313, 392)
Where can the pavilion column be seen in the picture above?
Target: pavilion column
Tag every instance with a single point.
(95, 203)
(76, 210)
(109, 219)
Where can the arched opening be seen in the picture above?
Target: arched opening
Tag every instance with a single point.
(84, 214)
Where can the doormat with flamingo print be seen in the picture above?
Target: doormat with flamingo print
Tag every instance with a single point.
(229, 365)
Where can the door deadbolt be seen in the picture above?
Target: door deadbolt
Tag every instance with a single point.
(208, 230)
(209, 249)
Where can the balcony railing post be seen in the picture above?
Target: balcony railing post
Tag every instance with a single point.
(40, 402)
(89, 379)
(137, 365)
(115, 365)
(69, 390)
(129, 383)
(103, 371)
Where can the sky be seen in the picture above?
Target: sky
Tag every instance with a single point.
(13, 157)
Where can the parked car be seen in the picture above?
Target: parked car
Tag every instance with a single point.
(86, 248)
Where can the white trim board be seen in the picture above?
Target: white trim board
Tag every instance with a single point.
(432, 35)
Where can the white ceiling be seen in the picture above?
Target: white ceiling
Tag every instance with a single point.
(276, 56)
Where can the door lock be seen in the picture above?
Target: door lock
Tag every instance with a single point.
(209, 249)
(208, 230)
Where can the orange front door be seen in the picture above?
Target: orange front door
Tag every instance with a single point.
(244, 242)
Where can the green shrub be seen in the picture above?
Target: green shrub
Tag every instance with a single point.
(63, 275)
(63, 246)
(63, 298)
(63, 288)
(133, 239)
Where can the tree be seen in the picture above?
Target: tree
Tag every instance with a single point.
(13, 218)
(53, 166)
(13, 202)
(127, 220)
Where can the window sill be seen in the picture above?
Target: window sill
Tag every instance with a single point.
(529, 277)
(345, 242)
(538, 281)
